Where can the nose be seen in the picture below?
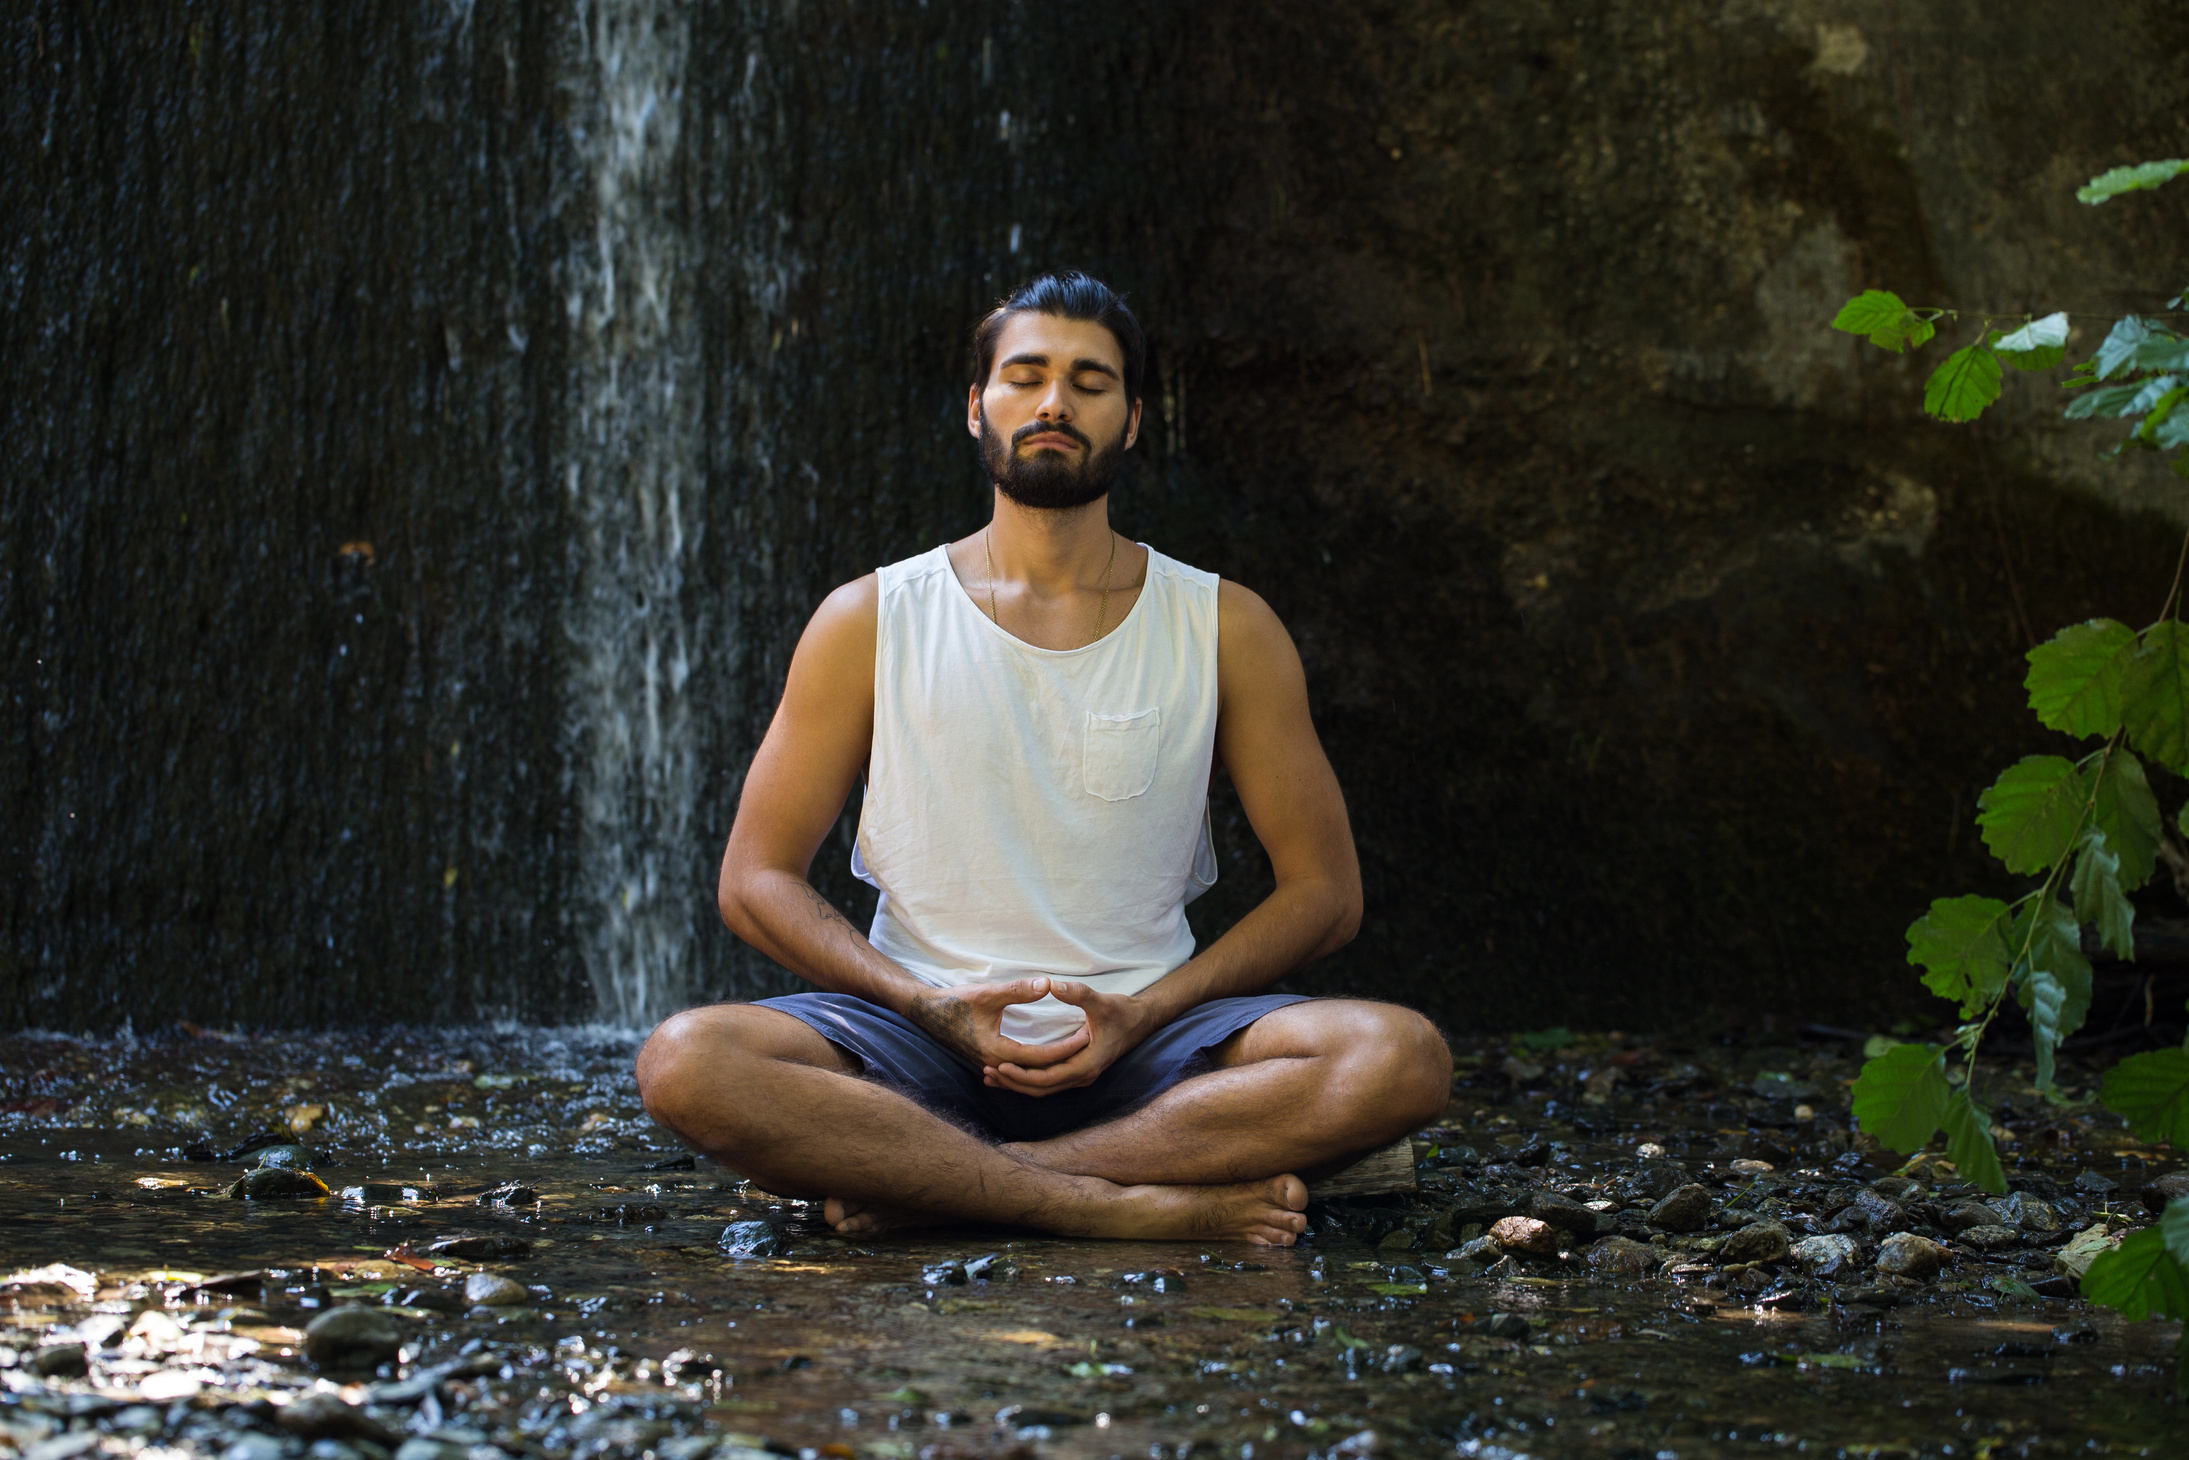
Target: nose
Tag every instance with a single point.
(1054, 406)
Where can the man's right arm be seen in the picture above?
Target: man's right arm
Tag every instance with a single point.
(812, 755)
(796, 788)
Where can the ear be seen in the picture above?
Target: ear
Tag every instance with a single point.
(1132, 426)
(972, 411)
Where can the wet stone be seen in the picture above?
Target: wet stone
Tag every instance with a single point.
(381, 1193)
(1877, 1211)
(1684, 1209)
(1624, 1256)
(274, 1183)
(1827, 1254)
(1961, 1215)
(1907, 1255)
(2171, 1187)
(1756, 1242)
(517, 1194)
(1990, 1237)
(1563, 1212)
(751, 1239)
(327, 1417)
(1504, 1325)
(2030, 1213)
(60, 1361)
(353, 1338)
(491, 1290)
(1525, 1234)
(290, 1156)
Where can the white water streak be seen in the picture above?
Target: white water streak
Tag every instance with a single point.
(631, 448)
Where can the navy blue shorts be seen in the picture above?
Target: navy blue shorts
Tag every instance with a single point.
(898, 1053)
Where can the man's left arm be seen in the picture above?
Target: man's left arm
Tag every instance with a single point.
(1266, 740)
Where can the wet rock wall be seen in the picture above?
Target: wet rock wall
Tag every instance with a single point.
(429, 426)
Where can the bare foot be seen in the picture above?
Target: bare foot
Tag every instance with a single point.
(1251, 1211)
(868, 1219)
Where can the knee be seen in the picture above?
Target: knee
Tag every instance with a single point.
(1412, 1064)
(682, 1059)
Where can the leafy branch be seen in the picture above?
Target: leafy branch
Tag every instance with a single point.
(2089, 828)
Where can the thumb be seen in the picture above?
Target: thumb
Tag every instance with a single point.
(1076, 994)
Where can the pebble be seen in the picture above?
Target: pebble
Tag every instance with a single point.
(1624, 1255)
(1480, 1249)
(292, 1156)
(2030, 1213)
(381, 1193)
(1563, 1212)
(1904, 1254)
(1756, 1242)
(1827, 1254)
(751, 1239)
(262, 1183)
(255, 1447)
(492, 1290)
(1990, 1236)
(1962, 1215)
(2171, 1187)
(326, 1417)
(351, 1337)
(1683, 1209)
(1525, 1234)
(418, 1447)
(1750, 1167)
(1504, 1325)
(61, 1361)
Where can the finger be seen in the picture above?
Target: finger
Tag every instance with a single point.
(995, 995)
(1022, 1087)
(1003, 1049)
(1076, 1070)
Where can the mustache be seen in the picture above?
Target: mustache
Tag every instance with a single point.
(1062, 428)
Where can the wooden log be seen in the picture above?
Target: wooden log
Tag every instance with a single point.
(1390, 1169)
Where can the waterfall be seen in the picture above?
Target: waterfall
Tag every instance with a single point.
(630, 453)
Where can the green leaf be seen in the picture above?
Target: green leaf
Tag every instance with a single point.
(2115, 181)
(1900, 1097)
(2163, 410)
(2044, 996)
(1964, 385)
(2165, 350)
(1962, 943)
(2140, 1278)
(2110, 400)
(2155, 696)
(2098, 899)
(2055, 945)
(2074, 678)
(2174, 1226)
(1885, 319)
(2126, 812)
(2118, 353)
(1968, 1143)
(2038, 345)
(2151, 1092)
(2150, 395)
(2028, 815)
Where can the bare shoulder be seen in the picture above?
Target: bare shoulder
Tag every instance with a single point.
(1258, 670)
(838, 643)
(1247, 628)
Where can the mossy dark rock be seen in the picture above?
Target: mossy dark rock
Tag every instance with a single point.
(273, 1183)
(352, 1338)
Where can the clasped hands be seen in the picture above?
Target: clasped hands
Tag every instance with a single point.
(968, 1019)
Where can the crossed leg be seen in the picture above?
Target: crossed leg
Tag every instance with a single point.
(763, 1094)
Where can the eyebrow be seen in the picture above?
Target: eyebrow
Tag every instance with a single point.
(1098, 366)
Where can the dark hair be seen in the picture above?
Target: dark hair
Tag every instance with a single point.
(1069, 295)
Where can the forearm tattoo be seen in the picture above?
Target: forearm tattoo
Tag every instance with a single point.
(825, 913)
(949, 1021)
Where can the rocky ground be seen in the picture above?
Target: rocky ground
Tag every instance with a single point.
(470, 1245)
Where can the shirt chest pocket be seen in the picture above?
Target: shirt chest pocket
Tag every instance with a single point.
(1119, 753)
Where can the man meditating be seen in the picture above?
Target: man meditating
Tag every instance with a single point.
(1026, 1034)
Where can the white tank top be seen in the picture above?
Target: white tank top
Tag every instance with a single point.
(1039, 811)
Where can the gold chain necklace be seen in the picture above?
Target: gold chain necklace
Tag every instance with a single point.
(1101, 615)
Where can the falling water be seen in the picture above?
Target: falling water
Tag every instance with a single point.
(630, 454)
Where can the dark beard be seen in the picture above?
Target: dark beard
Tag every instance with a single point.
(1048, 480)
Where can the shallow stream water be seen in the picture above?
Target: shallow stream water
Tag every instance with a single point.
(150, 1312)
